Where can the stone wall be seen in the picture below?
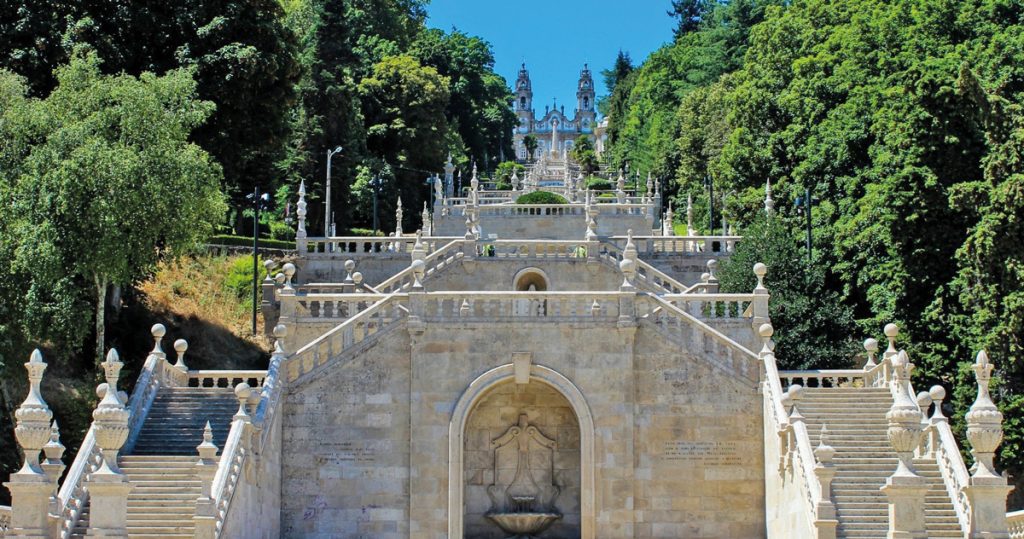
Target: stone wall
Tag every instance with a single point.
(256, 504)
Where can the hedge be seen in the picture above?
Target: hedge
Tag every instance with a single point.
(541, 197)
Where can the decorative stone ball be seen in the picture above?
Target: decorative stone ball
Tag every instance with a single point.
(760, 269)
(357, 278)
(924, 400)
(796, 391)
(279, 278)
(712, 265)
(704, 277)
(242, 390)
(627, 265)
(289, 270)
(937, 393)
(268, 265)
(350, 265)
(280, 331)
(101, 390)
(158, 331)
(180, 346)
(891, 330)
(766, 331)
(871, 345)
(417, 265)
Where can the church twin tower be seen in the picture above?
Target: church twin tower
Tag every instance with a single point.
(555, 132)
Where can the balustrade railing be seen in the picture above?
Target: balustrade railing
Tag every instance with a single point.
(226, 378)
(435, 262)
(361, 246)
(503, 306)
(330, 307)
(531, 210)
(533, 249)
(650, 278)
(825, 378)
(714, 306)
(941, 445)
(348, 335)
(1015, 520)
(229, 472)
(654, 245)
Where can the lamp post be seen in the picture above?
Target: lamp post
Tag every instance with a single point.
(328, 217)
(709, 182)
(803, 206)
(431, 180)
(375, 184)
(258, 202)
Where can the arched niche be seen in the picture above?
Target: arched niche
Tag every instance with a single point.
(527, 277)
(478, 390)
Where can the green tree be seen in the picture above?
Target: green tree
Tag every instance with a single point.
(619, 71)
(813, 327)
(530, 142)
(690, 14)
(583, 153)
(108, 181)
(503, 174)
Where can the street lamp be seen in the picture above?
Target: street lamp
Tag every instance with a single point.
(328, 217)
(375, 184)
(431, 180)
(259, 202)
(803, 206)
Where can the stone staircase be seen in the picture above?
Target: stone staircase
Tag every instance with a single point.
(855, 418)
(161, 466)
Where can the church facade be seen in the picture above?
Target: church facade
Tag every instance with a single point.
(555, 131)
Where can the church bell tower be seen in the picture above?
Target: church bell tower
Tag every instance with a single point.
(585, 115)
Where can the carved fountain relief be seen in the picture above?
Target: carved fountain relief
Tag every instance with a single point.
(524, 507)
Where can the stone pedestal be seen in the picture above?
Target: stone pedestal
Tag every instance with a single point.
(30, 499)
(988, 508)
(906, 507)
(108, 505)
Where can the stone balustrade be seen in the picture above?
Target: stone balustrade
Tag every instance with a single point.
(673, 245)
(714, 306)
(435, 262)
(533, 249)
(502, 306)
(1016, 523)
(363, 246)
(825, 378)
(5, 519)
(226, 378)
(326, 307)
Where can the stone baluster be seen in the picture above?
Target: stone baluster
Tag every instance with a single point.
(300, 234)
(205, 518)
(905, 489)
(761, 297)
(988, 490)
(826, 521)
(108, 488)
(30, 486)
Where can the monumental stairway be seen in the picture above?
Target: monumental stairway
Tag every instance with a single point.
(551, 371)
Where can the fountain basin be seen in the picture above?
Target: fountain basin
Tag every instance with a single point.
(525, 524)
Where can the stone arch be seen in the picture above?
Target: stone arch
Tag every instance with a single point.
(527, 276)
(456, 443)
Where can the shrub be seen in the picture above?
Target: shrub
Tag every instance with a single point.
(238, 281)
(243, 241)
(279, 230)
(598, 184)
(541, 197)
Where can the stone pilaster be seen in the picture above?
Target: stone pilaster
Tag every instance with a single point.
(904, 488)
(108, 488)
(988, 490)
(30, 487)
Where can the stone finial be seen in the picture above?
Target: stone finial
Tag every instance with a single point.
(181, 346)
(795, 392)
(760, 270)
(891, 332)
(301, 210)
(464, 308)
(650, 185)
(904, 418)
(425, 218)
(289, 273)
(924, 401)
(871, 347)
(158, 331)
(628, 263)
(769, 204)
(938, 394)
(207, 450)
(350, 265)
(824, 452)
(418, 271)
(766, 331)
(110, 418)
(398, 219)
(53, 449)
(474, 182)
(242, 393)
(279, 278)
(689, 215)
(620, 183)
(268, 268)
(33, 417)
(712, 266)
(984, 421)
(280, 332)
(357, 278)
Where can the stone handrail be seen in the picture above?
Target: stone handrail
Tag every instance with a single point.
(792, 437)
(229, 470)
(651, 245)
(433, 263)
(1016, 523)
(226, 378)
(348, 335)
(142, 397)
(649, 277)
(683, 327)
(534, 249)
(327, 307)
(5, 520)
(501, 306)
(943, 446)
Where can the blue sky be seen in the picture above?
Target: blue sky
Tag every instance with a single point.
(555, 37)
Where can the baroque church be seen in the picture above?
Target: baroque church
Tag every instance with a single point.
(555, 131)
